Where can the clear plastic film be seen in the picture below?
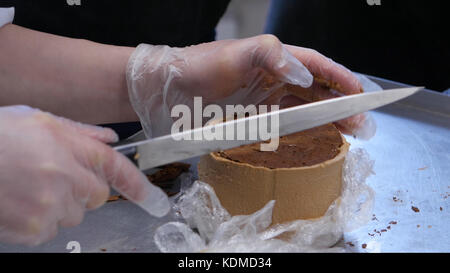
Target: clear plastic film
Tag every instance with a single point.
(368, 128)
(210, 228)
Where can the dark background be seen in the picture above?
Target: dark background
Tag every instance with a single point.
(405, 41)
(401, 40)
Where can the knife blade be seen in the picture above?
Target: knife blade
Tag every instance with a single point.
(159, 151)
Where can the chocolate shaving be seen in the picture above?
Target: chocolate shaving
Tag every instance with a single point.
(350, 244)
(113, 198)
(165, 177)
(168, 172)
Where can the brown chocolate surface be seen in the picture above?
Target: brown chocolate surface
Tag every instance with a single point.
(300, 149)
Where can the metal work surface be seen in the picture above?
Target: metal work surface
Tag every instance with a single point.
(412, 183)
(412, 177)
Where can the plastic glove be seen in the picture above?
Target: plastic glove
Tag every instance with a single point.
(246, 71)
(331, 80)
(53, 169)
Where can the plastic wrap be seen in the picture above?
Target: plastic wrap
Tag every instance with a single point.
(210, 228)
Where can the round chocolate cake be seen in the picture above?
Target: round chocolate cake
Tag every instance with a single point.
(304, 175)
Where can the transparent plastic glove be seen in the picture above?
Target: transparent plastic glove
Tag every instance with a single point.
(53, 169)
(330, 80)
(245, 71)
(221, 72)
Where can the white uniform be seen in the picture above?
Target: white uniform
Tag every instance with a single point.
(6, 16)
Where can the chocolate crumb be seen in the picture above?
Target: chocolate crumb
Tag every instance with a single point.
(113, 198)
(418, 226)
(383, 230)
(429, 226)
(171, 193)
(364, 245)
(415, 209)
(440, 208)
(103, 249)
(350, 244)
(169, 172)
(393, 222)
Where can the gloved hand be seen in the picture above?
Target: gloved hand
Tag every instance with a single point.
(227, 72)
(53, 169)
(330, 80)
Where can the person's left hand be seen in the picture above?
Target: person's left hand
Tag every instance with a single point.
(246, 71)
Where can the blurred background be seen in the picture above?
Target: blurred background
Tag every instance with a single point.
(403, 41)
(243, 18)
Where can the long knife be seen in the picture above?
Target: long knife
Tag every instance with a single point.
(166, 149)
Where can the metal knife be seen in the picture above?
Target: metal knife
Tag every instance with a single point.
(159, 151)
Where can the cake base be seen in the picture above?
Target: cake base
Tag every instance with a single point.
(300, 192)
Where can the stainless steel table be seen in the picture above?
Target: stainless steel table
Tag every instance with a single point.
(412, 183)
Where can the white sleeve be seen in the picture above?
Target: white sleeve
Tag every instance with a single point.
(6, 16)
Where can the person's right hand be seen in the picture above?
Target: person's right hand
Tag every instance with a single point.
(52, 169)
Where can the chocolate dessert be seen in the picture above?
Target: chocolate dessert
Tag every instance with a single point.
(301, 149)
(304, 175)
